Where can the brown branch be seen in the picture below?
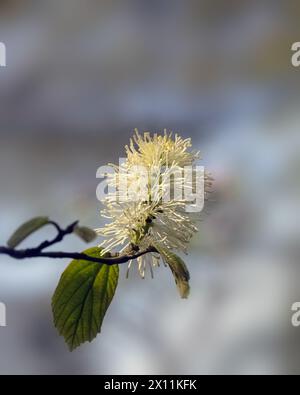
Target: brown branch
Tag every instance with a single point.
(39, 252)
(33, 253)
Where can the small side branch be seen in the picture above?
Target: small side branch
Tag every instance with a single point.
(61, 234)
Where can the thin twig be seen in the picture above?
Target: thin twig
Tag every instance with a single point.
(38, 252)
(61, 233)
(33, 253)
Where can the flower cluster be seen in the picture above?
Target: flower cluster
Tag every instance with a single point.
(145, 208)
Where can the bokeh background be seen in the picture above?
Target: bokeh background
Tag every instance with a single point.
(80, 76)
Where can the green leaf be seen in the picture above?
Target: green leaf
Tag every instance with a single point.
(178, 268)
(86, 234)
(82, 298)
(26, 230)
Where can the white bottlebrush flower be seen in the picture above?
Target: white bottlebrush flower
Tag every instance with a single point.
(146, 209)
(147, 150)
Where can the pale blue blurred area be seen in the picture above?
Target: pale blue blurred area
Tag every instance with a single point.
(80, 77)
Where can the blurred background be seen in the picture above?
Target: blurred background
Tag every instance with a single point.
(80, 76)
